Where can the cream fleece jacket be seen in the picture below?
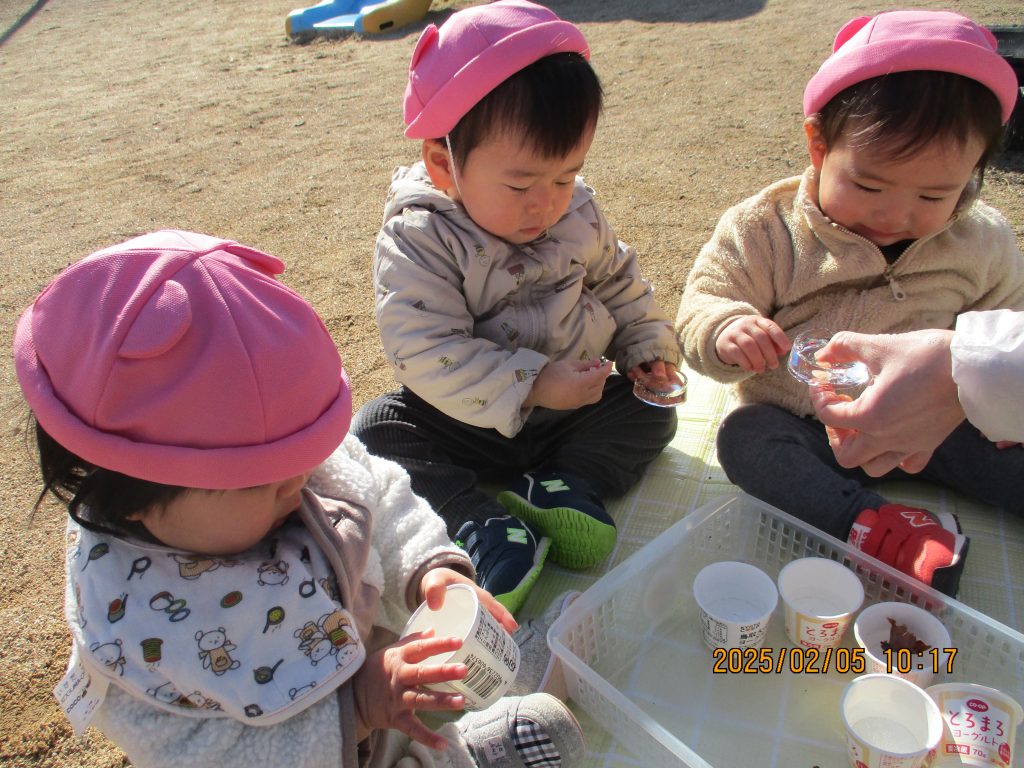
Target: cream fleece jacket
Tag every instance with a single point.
(777, 255)
(378, 547)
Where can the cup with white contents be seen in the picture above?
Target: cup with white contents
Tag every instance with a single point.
(820, 597)
(736, 602)
(889, 722)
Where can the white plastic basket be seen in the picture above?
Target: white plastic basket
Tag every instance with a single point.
(634, 660)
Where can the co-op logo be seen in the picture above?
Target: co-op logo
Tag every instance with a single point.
(977, 705)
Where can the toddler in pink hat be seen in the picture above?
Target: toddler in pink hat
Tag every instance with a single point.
(504, 299)
(235, 561)
(883, 233)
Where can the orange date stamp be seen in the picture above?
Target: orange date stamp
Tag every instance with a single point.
(814, 661)
(821, 661)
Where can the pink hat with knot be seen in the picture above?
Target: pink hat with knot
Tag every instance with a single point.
(180, 359)
(475, 51)
(901, 41)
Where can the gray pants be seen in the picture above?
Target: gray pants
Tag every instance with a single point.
(607, 445)
(786, 461)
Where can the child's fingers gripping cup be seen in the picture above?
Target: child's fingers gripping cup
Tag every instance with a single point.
(819, 597)
(490, 654)
(736, 602)
(889, 722)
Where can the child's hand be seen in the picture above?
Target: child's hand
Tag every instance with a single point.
(566, 384)
(653, 371)
(436, 580)
(388, 688)
(752, 342)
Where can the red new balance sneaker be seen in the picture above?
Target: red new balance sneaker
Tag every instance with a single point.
(929, 547)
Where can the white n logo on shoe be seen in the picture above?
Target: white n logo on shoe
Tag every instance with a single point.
(551, 486)
(517, 535)
(918, 518)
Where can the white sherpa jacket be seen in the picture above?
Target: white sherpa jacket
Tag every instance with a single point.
(467, 319)
(360, 546)
(988, 367)
(777, 255)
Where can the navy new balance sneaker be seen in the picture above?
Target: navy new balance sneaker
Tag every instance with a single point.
(507, 555)
(564, 509)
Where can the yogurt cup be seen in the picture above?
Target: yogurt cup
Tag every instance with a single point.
(980, 725)
(889, 722)
(820, 597)
(488, 650)
(736, 602)
(872, 627)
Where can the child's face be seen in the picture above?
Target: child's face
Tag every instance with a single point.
(223, 522)
(508, 188)
(886, 200)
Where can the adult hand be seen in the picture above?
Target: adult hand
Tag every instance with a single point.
(388, 688)
(752, 342)
(436, 581)
(906, 412)
(566, 384)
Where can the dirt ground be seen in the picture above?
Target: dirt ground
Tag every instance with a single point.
(121, 117)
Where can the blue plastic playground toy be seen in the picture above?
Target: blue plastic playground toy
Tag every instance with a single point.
(358, 16)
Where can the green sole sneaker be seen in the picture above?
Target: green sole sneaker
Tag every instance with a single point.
(578, 539)
(514, 600)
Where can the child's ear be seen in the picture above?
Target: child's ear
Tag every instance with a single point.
(439, 164)
(286, 488)
(816, 146)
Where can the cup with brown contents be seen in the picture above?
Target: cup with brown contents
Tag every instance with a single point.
(904, 640)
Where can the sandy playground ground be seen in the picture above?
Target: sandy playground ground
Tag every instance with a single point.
(119, 117)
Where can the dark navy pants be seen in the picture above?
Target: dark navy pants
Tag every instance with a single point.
(608, 445)
(786, 460)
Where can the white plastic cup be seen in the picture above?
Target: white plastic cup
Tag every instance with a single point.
(889, 722)
(736, 601)
(488, 650)
(820, 597)
(980, 725)
(872, 627)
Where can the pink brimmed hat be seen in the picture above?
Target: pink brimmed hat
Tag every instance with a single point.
(179, 358)
(901, 41)
(472, 53)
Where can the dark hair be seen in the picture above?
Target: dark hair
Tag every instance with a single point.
(551, 104)
(109, 496)
(904, 111)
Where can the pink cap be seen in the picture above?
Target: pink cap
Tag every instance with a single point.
(901, 41)
(475, 51)
(179, 358)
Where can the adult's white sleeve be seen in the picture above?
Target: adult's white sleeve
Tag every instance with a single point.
(988, 368)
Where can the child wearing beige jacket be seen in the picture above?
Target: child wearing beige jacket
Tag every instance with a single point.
(882, 234)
